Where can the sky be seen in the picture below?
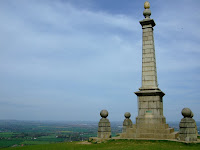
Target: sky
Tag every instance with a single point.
(67, 60)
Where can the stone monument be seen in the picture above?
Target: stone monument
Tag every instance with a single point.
(150, 122)
(104, 129)
(188, 130)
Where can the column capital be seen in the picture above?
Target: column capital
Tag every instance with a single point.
(147, 23)
(157, 92)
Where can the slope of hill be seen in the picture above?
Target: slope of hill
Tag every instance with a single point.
(113, 145)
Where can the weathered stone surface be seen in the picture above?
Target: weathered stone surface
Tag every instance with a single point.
(187, 113)
(104, 129)
(127, 115)
(104, 113)
(187, 127)
(127, 122)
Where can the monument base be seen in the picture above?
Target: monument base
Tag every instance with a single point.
(150, 123)
(150, 131)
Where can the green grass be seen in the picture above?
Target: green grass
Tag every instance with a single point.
(113, 145)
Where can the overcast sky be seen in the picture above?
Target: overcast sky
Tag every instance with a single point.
(69, 59)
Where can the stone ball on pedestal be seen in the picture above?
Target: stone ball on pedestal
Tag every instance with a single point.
(127, 115)
(187, 113)
(104, 113)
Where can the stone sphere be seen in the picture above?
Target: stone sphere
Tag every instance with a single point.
(127, 115)
(146, 5)
(104, 113)
(186, 112)
(147, 13)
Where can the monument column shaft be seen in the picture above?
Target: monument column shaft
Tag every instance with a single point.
(149, 73)
(150, 102)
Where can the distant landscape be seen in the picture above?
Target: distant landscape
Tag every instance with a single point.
(19, 133)
(15, 133)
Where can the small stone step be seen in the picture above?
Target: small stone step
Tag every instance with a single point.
(174, 135)
(130, 130)
(169, 130)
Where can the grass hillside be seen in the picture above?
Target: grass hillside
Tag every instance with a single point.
(113, 145)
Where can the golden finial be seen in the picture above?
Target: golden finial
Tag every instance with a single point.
(147, 11)
(146, 5)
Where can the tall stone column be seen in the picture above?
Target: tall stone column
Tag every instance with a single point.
(150, 101)
(150, 122)
(149, 73)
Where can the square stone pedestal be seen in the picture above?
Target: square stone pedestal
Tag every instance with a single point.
(150, 122)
